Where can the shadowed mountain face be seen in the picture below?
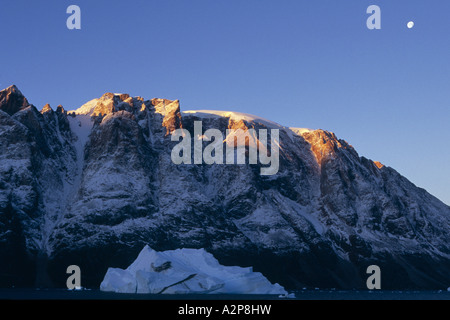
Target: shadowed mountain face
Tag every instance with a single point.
(93, 187)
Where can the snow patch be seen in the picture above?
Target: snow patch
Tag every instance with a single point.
(81, 126)
(184, 271)
(87, 108)
(300, 131)
(232, 115)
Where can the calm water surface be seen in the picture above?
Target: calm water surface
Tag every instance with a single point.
(57, 294)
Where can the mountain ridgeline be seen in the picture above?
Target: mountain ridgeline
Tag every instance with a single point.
(92, 187)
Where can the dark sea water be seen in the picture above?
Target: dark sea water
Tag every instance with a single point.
(61, 294)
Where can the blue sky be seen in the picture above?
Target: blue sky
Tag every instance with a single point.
(300, 63)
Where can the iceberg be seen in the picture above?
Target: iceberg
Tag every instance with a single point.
(185, 271)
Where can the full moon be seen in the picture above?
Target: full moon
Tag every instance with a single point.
(410, 24)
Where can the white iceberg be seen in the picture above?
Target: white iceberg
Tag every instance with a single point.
(185, 271)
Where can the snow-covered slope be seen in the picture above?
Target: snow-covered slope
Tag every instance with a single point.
(87, 108)
(94, 186)
(232, 115)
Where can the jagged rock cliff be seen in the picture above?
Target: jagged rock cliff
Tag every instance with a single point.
(91, 187)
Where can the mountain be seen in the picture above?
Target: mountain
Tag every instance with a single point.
(92, 187)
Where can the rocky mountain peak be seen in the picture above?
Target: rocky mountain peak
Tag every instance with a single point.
(170, 110)
(60, 109)
(378, 164)
(237, 124)
(105, 105)
(46, 109)
(325, 144)
(12, 100)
